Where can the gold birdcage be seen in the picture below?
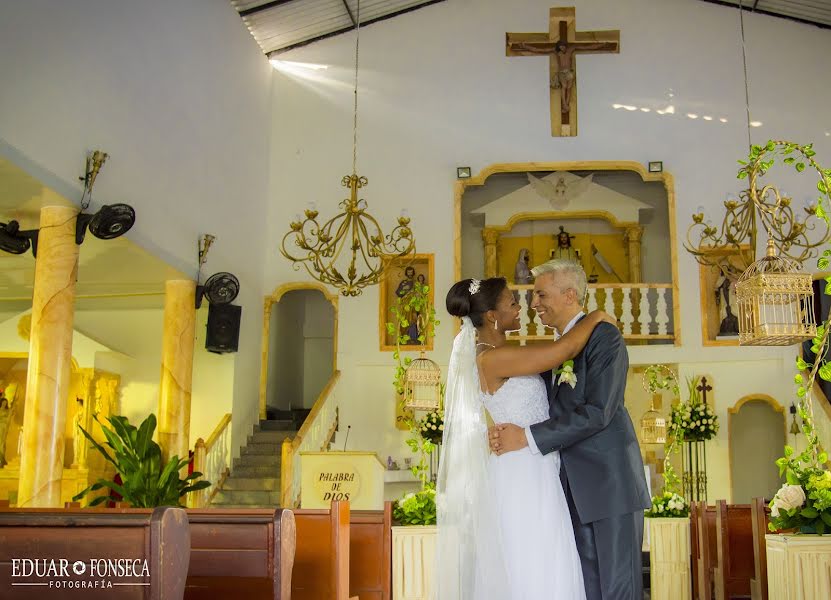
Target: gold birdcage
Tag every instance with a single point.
(422, 385)
(653, 425)
(776, 302)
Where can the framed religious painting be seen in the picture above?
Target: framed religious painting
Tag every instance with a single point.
(406, 294)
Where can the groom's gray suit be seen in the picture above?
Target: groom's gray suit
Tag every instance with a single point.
(602, 471)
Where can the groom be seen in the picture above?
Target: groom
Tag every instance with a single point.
(602, 471)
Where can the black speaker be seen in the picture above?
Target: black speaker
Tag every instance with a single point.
(223, 328)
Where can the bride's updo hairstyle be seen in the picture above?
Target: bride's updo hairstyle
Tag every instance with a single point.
(473, 298)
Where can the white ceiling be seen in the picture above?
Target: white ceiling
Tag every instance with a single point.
(111, 273)
(815, 12)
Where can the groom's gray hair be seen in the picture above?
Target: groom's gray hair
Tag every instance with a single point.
(569, 269)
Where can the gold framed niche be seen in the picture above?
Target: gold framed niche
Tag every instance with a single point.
(665, 178)
(708, 277)
(398, 276)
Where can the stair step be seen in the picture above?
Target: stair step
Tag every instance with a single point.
(246, 497)
(258, 460)
(270, 484)
(254, 448)
(277, 425)
(270, 437)
(256, 471)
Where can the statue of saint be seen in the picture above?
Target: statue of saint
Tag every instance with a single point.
(564, 249)
(725, 301)
(6, 412)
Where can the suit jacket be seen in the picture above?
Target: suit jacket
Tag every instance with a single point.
(591, 428)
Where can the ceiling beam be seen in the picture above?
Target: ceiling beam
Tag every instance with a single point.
(735, 5)
(263, 7)
(324, 36)
(349, 12)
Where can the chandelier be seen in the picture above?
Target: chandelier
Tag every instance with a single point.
(348, 251)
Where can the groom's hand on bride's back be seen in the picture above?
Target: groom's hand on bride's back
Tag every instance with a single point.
(506, 437)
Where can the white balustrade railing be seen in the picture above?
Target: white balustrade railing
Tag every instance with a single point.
(313, 436)
(213, 460)
(642, 310)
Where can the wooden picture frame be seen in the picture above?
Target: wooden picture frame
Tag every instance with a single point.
(707, 278)
(392, 285)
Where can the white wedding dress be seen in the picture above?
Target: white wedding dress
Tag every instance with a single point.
(534, 522)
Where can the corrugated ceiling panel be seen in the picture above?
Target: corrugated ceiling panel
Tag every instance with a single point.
(809, 10)
(297, 21)
(372, 9)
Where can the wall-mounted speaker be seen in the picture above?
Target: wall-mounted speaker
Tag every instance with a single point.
(223, 328)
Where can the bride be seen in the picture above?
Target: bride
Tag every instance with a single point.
(504, 528)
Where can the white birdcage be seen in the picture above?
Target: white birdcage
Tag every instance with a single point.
(776, 302)
(422, 384)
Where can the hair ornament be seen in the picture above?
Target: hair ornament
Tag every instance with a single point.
(474, 286)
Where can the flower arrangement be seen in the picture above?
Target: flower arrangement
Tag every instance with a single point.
(416, 508)
(668, 504)
(694, 420)
(567, 374)
(431, 427)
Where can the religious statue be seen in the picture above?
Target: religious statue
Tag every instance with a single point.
(405, 288)
(522, 274)
(78, 460)
(726, 298)
(6, 413)
(564, 249)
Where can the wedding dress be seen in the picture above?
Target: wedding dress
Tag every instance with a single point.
(504, 528)
(537, 537)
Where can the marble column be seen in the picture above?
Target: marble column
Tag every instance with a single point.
(491, 237)
(177, 367)
(50, 356)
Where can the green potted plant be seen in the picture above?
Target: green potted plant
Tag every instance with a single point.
(146, 481)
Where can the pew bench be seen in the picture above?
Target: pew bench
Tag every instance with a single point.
(240, 553)
(370, 553)
(140, 555)
(734, 541)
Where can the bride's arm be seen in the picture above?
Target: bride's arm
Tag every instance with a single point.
(510, 361)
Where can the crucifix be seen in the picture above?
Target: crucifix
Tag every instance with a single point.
(561, 44)
(704, 388)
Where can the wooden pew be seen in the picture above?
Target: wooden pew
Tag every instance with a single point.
(760, 517)
(704, 550)
(245, 553)
(370, 553)
(321, 563)
(734, 561)
(160, 537)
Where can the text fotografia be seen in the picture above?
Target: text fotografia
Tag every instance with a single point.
(93, 573)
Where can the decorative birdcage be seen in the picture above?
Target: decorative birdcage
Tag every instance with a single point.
(422, 384)
(653, 425)
(776, 302)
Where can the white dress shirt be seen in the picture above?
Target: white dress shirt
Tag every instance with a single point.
(531, 443)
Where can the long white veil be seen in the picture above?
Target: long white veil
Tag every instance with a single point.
(469, 560)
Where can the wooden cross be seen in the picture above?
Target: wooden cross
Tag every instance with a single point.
(704, 388)
(560, 44)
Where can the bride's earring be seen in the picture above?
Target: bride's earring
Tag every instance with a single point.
(496, 324)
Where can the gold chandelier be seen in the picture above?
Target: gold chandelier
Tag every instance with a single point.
(320, 247)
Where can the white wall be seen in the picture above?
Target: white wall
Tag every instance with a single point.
(437, 91)
(178, 93)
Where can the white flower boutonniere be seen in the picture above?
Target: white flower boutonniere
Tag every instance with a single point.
(567, 374)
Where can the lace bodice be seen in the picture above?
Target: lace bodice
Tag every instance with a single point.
(521, 400)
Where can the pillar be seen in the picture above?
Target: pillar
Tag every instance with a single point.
(633, 249)
(50, 356)
(177, 367)
(491, 237)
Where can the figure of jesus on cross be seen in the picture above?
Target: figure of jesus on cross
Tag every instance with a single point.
(560, 44)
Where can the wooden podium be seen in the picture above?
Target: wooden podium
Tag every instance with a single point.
(354, 476)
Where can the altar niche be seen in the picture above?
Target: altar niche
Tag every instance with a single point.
(615, 219)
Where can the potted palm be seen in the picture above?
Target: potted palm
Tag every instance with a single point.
(146, 482)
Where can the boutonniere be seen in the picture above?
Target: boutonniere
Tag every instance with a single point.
(567, 374)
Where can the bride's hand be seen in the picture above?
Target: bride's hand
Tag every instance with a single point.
(603, 316)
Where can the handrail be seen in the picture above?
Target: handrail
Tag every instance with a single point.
(212, 459)
(604, 286)
(290, 455)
